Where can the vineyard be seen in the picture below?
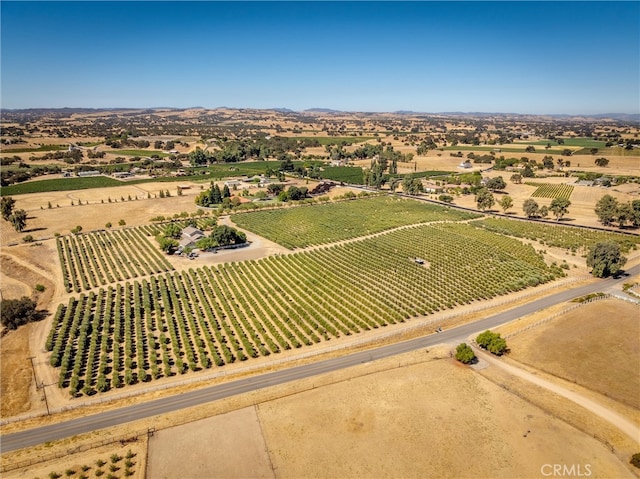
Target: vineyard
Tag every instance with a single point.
(176, 322)
(574, 239)
(100, 258)
(301, 227)
(548, 190)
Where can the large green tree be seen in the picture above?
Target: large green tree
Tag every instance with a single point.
(496, 184)
(559, 207)
(412, 186)
(530, 208)
(7, 204)
(16, 312)
(605, 259)
(19, 219)
(505, 203)
(607, 209)
(484, 199)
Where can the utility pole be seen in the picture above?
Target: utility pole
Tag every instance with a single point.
(46, 402)
(34, 372)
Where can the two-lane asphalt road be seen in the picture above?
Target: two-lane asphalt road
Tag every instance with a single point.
(169, 404)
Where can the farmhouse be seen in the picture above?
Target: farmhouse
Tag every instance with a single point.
(189, 237)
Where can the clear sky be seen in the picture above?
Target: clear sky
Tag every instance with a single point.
(522, 57)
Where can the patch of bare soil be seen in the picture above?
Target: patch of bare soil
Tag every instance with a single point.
(238, 449)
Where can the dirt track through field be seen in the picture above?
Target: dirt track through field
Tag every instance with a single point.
(630, 429)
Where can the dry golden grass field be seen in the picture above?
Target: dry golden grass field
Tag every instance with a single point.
(595, 346)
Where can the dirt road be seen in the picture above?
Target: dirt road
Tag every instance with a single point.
(630, 429)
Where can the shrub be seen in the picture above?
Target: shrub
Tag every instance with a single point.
(492, 342)
(40, 288)
(635, 460)
(28, 239)
(464, 353)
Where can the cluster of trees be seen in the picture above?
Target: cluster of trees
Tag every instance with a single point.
(492, 342)
(294, 193)
(16, 312)
(559, 207)
(233, 151)
(123, 140)
(485, 199)
(70, 157)
(24, 171)
(213, 195)
(412, 186)
(221, 235)
(609, 211)
(18, 218)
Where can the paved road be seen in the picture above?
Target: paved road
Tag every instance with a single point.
(32, 437)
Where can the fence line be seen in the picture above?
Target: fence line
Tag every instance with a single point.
(85, 446)
(558, 314)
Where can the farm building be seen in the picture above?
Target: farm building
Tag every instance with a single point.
(122, 174)
(89, 173)
(233, 183)
(189, 237)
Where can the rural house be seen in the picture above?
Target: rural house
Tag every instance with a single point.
(189, 237)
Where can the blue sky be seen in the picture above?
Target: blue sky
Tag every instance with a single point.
(524, 57)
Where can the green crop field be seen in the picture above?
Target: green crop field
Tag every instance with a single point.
(575, 239)
(548, 190)
(100, 258)
(170, 323)
(299, 227)
(347, 174)
(140, 153)
(59, 184)
(569, 142)
(41, 149)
